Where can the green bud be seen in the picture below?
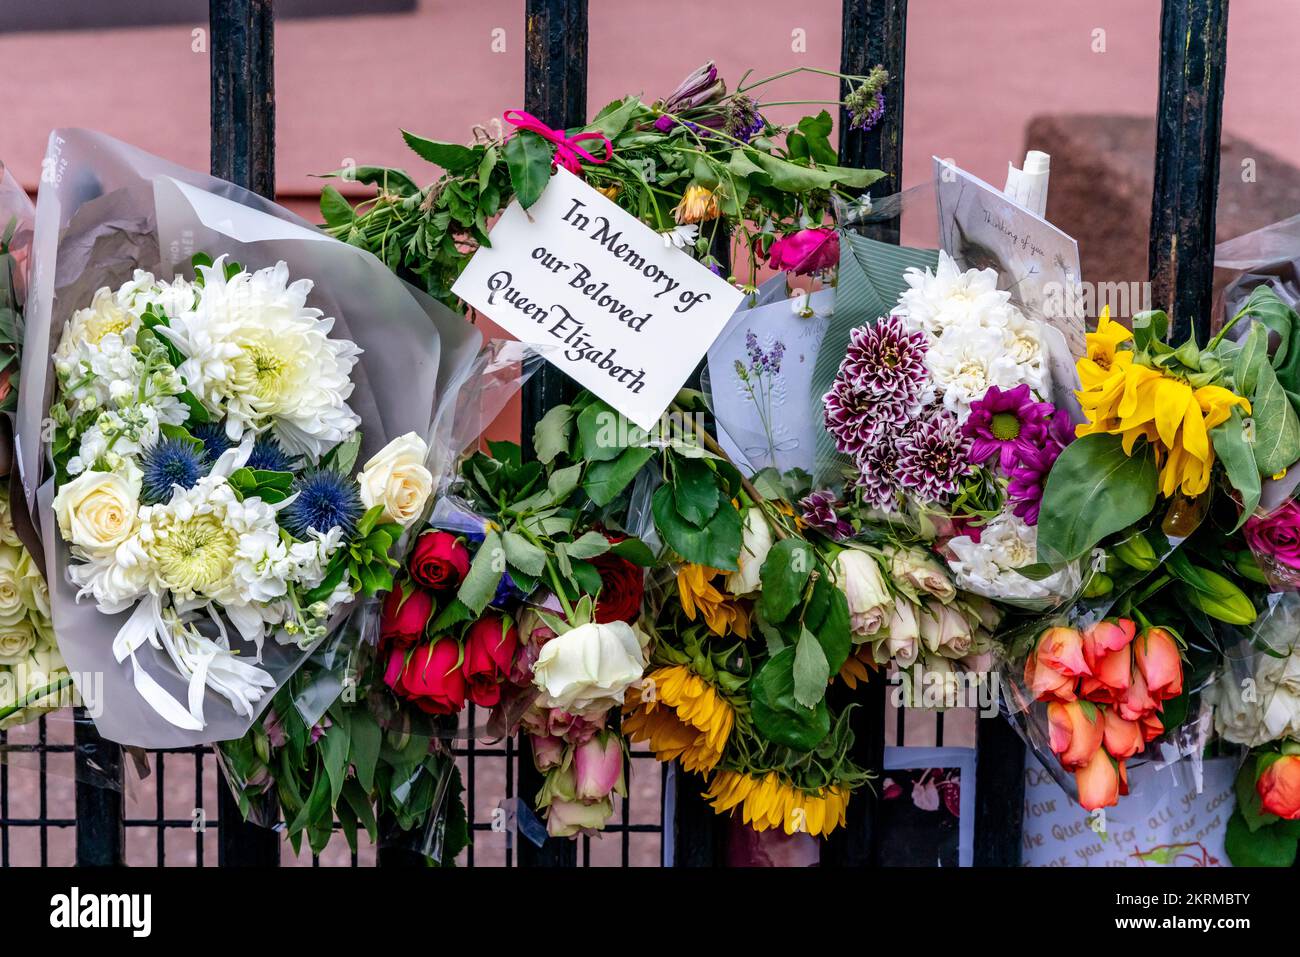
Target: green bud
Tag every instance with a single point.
(1098, 585)
(1220, 599)
(1136, 552)
(1247, 566)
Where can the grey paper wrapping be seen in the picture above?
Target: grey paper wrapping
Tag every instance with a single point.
(107, 208)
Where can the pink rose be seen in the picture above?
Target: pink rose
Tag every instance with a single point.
(1276, 535)
(548, 752)
(807, 251)
(598, 765)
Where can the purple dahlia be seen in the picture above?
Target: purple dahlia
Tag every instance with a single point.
(886, 361)
(933, 456)
(818, 510)
(878, 473)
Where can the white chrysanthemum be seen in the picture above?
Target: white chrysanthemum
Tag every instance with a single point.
(116, 580)
(1024, 344)
(966, 361)
(934, 301)
(169, 298)
(987, 567)
(259, 356)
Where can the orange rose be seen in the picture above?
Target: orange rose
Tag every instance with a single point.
(1106, 649)
(1279, 787)
(1136, 703)
(1123, 738)
(1158, 658)
(1101, 781)
(1061, 649)
(1044, 683)
(1152, 726)
(1074, 731)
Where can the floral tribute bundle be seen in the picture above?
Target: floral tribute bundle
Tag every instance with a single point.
(204, 455)
(943, 409)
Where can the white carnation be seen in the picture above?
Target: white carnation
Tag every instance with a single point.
(988, 567)
(935, 301)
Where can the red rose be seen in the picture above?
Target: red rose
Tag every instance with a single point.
(440, 561)
(622, 587)
(428, 677)
(404, 616)
(489, 650)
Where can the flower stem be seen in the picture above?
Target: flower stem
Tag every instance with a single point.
(35, 696)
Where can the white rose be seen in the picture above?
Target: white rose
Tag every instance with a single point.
(589, 664)
(17, 641)
(945, 630)
(7, 534)
(858, 576)
(755, 545)
(917, 571)
(397, 479)
(12, 608)
(97, 511)
(903, 643)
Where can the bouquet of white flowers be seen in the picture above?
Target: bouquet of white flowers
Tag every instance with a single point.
(203, 430)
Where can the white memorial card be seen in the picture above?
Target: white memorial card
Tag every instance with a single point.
(625, 313)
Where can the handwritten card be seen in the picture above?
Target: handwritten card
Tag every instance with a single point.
(626, 314)
(1163, 822)
(980, 228)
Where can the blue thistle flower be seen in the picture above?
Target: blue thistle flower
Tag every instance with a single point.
(325, 499)
(169, 463)
(213, 437)
(268, 455)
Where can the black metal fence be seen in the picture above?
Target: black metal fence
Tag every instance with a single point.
(1189, 110)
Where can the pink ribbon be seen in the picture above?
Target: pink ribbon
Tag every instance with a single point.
(567, 151)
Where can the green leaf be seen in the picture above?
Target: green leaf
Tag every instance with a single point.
(811, 670)
(484, 574)
(528, 158)
(335, 754)
(604, 480)
(817, 132)
(717, 545)
(589, 545)
(827, 616)
(792, 178)
(1270, 846)
(777, 715)
(1277, 428)
(523, 554)
(366, 737)
(1093, 490)
(1230, 445)
(695, 491)
(343, 457)
(552, 433)
(452, 157)
(635, 551)
(334, 209)
(604, 434)
(784, 574)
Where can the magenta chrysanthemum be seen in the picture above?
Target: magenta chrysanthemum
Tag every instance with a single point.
(933, 456)
(1004, 421)
(878, 386)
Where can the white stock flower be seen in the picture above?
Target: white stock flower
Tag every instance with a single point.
(987, 567)
(966, 361)
(257, 354)
(756, 542)
(97, 511)
(396, 478)
(589, 665)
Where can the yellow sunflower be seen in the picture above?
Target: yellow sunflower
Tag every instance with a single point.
(693, 724)
(696, 591)
(858, 666)
(1135, 401)
(767, 801)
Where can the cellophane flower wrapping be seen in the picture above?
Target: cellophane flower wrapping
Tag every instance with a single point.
(106, 209)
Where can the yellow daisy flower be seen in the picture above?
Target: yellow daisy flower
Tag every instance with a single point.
(693, 724)
(767, 802)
